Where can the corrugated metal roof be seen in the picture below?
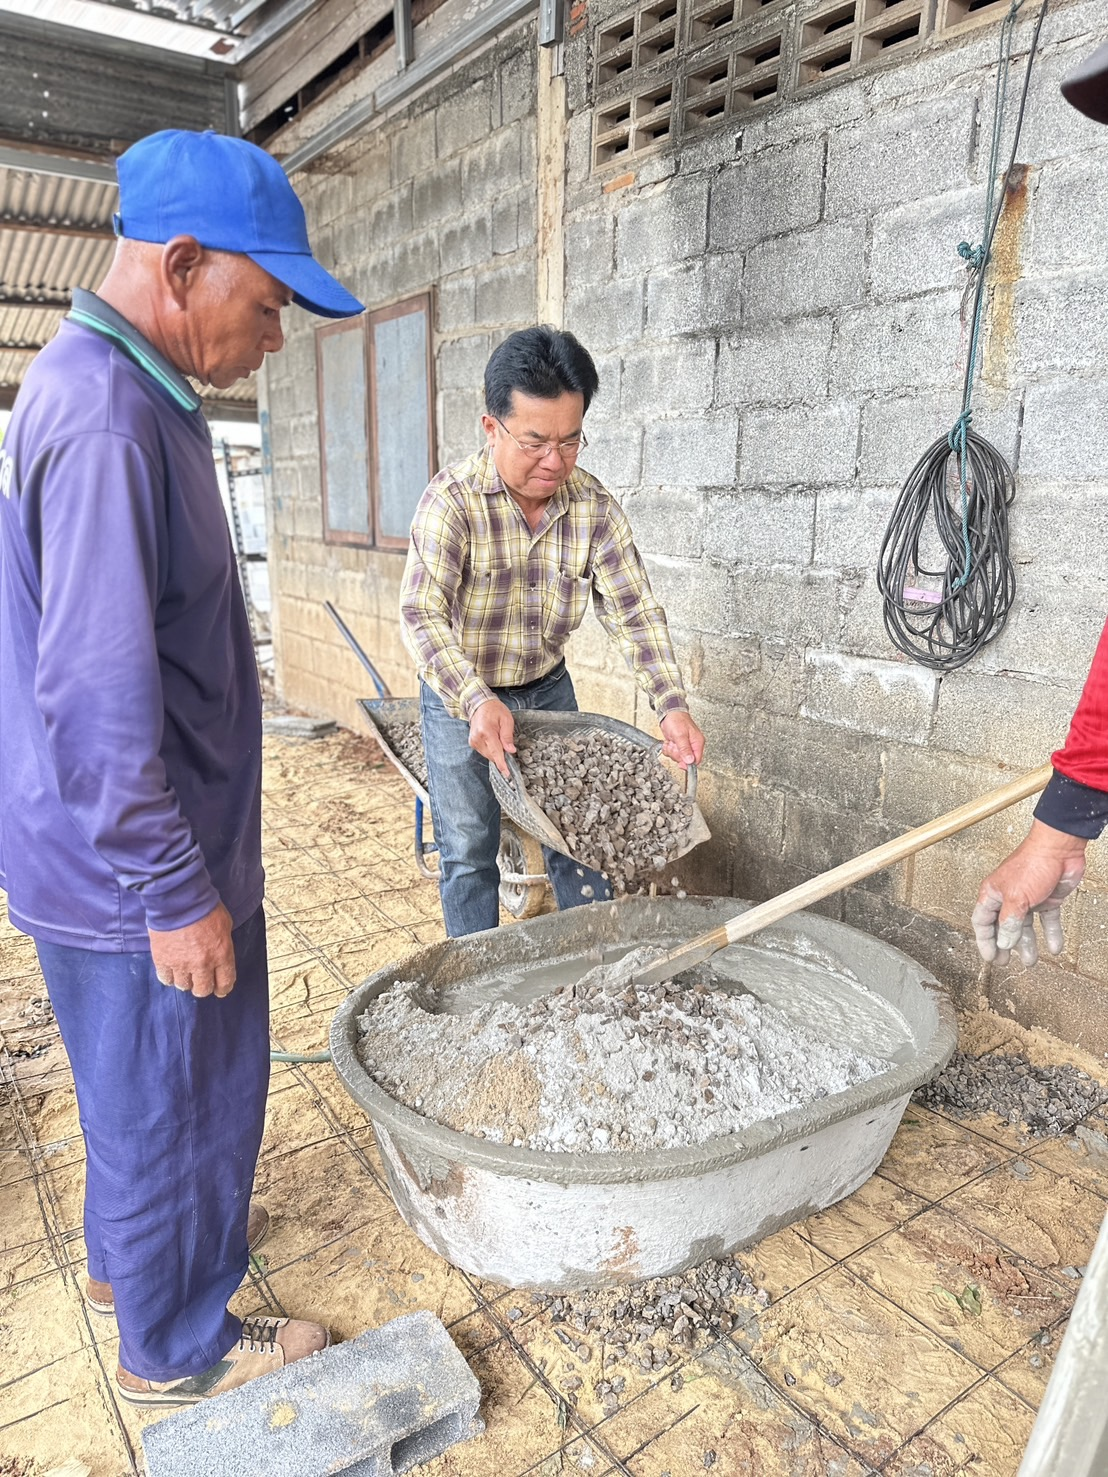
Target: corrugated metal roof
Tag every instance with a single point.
(25, 196)
(41, 262)
(31, 328)
(47, 257)
(63, 95)
(35, 264)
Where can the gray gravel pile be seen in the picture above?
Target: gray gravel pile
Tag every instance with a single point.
(1045, 1100)
(651, 1324)
(406, 742)
(618, 808)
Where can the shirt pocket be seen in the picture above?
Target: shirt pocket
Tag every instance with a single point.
(565, 605)
(485, 589)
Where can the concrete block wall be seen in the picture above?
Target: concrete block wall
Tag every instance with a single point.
(439, 196)
(778, 315)
(776, 310)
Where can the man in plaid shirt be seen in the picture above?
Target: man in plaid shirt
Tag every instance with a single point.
(507, 548)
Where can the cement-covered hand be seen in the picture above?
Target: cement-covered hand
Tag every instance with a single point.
(492, 732)
(684, 742)
(1037, 878)
(198, 959)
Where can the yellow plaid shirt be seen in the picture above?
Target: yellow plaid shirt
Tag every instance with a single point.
(488, 602)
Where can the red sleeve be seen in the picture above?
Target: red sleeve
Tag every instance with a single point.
(1084, 756)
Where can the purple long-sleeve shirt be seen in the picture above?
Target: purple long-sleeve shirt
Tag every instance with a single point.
(130, 717)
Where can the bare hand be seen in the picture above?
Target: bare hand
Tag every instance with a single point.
(492, 732)
(199, 958)
(683, 740)
(1042, 871)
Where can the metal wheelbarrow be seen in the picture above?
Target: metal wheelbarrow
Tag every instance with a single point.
(519, 856)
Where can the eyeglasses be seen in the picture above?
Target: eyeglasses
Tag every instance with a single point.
(566, 449)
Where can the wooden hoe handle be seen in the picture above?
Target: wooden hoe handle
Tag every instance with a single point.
(744, 924)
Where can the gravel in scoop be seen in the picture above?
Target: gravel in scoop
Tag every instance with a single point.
(406, 742)
(617, 807)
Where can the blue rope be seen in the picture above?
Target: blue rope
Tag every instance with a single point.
(956, 440)
(977, 258)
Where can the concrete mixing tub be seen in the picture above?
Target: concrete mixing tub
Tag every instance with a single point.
(566, 1221)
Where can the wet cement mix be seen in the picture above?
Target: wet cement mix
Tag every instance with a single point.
(599, 1065)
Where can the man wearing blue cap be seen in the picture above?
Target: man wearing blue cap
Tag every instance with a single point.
(130, 748)
(1073, 810)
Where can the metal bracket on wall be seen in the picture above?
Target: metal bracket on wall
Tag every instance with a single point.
(232, 125)
(551, 22)
(405, 38)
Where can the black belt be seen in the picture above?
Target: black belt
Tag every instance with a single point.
(556, 671)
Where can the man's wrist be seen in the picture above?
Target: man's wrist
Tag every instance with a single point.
(477, 700)
(1047, 838)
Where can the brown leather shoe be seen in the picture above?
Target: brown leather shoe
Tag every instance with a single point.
(266, 1344)
(98, 1295)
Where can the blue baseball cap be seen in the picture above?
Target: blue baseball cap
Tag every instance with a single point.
(231, 196)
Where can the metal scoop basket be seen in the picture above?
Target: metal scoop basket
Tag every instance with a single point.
(518, 806)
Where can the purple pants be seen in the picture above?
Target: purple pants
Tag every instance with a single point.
(171, 1094)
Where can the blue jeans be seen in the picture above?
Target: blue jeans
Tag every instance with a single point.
(171, 1097)
(466, 815)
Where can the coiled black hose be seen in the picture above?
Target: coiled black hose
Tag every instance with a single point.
(952, 511)
(942, 616)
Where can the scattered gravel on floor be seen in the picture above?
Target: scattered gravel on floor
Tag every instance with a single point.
(600, 1065)
(618, 808)
(647, 1325)
(406, 742)
(1044, 1100)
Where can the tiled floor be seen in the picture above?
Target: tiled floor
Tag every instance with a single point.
(910, 1329)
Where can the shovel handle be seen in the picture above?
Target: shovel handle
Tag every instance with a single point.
(761, 916)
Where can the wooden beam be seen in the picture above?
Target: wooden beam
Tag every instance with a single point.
(33, 162)
(229, 410)
(58, 303)
(56, 228)
(276, 25)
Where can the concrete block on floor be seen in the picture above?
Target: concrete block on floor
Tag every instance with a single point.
(383, 1403)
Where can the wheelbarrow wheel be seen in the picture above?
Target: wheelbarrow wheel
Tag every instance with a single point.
(521, 855)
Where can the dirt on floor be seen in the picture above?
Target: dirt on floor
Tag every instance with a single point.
(908, 1330)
